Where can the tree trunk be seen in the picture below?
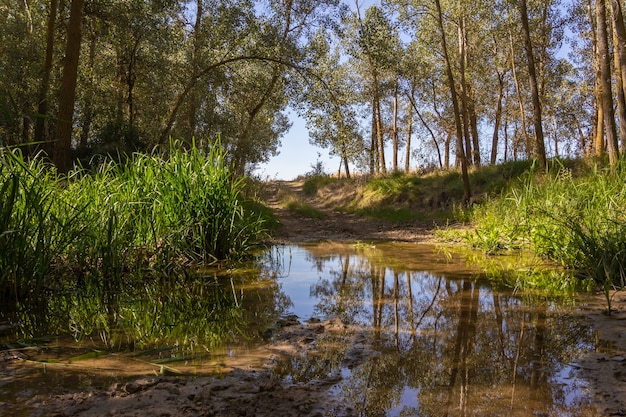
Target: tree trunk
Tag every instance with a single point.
(605, 82)
(498, 118)
(464, 94)
(432, 134)
(87, 118)
(473, 120)
(520, 100)
(394, 129)
(621, 99)
(67, 95)
(374, 143)
(346, 166)
(409, 133)
(619, 31)
(382, 164)
(455, 105)
(44, 89)
(539, 145)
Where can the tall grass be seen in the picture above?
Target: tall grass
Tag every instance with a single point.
(148, 213)
(577, 220)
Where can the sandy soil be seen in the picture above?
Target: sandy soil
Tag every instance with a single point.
(255, 392)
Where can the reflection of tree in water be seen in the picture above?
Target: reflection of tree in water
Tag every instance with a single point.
(461, 346)
(187, 313)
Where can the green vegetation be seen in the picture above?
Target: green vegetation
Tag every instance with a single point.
(568, 222)
(147, 214)
(298, 204)
(574, 215)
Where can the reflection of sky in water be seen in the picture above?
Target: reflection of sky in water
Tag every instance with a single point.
(297, 284)
(446, 342)
(433, 338)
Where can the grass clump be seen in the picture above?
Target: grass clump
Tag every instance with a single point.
(149, 213)
(313, 183)
(573, 216)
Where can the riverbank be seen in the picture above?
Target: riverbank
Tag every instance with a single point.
(247, 390)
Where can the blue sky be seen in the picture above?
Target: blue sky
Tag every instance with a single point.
(297, 155)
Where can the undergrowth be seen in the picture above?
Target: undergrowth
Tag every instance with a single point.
(574, 216)
(146, 214)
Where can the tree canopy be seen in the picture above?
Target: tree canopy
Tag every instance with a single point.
(454, 82)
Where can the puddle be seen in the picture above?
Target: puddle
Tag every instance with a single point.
(425, 335)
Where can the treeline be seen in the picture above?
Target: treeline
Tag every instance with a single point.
(440, 82)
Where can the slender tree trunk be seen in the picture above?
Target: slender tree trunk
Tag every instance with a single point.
(394, 129)
(374, 167)
(539, 145)
(455, 105)
(409, 133)
(621, 99)
(446, 152)
(556, 136)
(87, 114)
(596, 146)
(193, 96)
(432, 134)
(382, 164)
(619, 31)
(63, 144)
(473, 119)
(605, 82)
(464, 94)
(520, 99)
(496, 124)
(44, 89)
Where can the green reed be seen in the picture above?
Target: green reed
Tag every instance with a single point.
(575, 219)
(147, 214)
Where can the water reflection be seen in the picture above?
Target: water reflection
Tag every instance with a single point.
(439, 343)
(425, 336)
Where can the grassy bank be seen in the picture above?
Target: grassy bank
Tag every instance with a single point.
(573, 216)
(148, 214)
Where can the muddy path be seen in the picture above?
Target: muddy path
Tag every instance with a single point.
(336, 224)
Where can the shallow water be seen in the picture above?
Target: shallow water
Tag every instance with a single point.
(426, 334)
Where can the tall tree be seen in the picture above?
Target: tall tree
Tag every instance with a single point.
(44, 89)
(539, 144)
(460, 152)
(619, 31)
(64, 123)
(605, 82)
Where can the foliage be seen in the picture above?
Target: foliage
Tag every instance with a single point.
(577, 220)
(313, 183)
(148, 213)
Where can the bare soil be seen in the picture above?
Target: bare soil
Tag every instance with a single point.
(255, 392)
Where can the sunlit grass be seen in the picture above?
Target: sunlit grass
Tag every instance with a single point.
(573, 216)
(148, 213)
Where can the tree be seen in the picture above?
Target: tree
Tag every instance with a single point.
(539, 145)
(605, 82)
(44, 89)
(64, 123)
(331, 105)
(460, 152)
